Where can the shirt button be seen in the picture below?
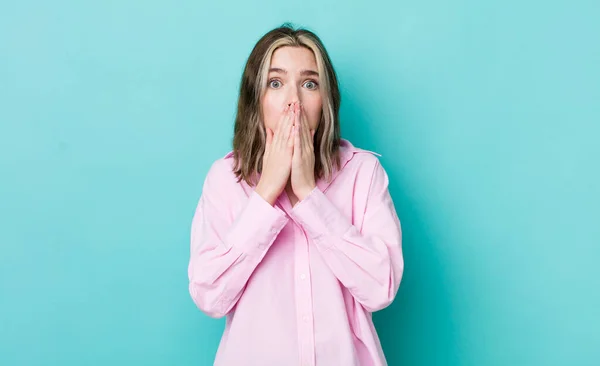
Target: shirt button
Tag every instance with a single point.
(302, 276)
(305, 318)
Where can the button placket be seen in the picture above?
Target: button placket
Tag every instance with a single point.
(304, 300)
(304, 315)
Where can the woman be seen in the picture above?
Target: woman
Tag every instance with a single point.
(295, 239)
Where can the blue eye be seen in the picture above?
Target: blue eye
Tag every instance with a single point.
(314, 83)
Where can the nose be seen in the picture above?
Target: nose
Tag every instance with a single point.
(293, 96)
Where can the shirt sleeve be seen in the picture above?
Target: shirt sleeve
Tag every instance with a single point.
(224, 251)
(367, 259)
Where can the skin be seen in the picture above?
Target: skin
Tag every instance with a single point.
(292, 107)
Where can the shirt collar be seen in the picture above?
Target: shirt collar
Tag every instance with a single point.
(347, 152)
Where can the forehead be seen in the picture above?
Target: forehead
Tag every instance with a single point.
(293, 58)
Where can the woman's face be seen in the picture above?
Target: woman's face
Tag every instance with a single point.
(292, 77)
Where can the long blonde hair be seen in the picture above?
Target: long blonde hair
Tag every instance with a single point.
(249, 132)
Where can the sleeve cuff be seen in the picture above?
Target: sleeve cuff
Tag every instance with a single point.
(257, 226)
(320, 218)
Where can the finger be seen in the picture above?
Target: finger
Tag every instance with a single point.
(294, 127)
(269, 138)
(297, 134)
(284, 126)
(307, 142)
(281, 119)
(290, 125)
(305, 133)
(301, 128)
(268, 143)
(297, 142)
(291, 115)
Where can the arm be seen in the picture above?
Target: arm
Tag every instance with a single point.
(225, 250)
(368, 261)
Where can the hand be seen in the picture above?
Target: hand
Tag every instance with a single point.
(277, 159)
(303, 160)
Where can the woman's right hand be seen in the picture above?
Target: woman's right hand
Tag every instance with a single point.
(277, 159)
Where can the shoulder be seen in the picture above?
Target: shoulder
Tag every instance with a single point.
(220, 175)
(361, 159)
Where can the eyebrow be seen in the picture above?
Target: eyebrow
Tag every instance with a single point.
(303, 72)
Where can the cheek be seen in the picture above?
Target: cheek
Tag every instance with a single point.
(271, 113)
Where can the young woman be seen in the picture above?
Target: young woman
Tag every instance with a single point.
(295, 239)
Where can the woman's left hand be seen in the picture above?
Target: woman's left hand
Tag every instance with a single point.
(303, 160)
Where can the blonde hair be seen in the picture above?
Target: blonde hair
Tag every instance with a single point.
(249, 138)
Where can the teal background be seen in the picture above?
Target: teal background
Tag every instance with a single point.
(486, 113)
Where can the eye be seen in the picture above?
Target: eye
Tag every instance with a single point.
(274, 81)
(313, 84)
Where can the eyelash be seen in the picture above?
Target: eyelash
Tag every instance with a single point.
(312, 81)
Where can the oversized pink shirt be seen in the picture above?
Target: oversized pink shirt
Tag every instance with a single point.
(297, 284)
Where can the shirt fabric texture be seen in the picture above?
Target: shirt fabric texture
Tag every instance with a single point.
(297, 285)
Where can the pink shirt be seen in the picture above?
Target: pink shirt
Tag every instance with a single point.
(297, 284)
